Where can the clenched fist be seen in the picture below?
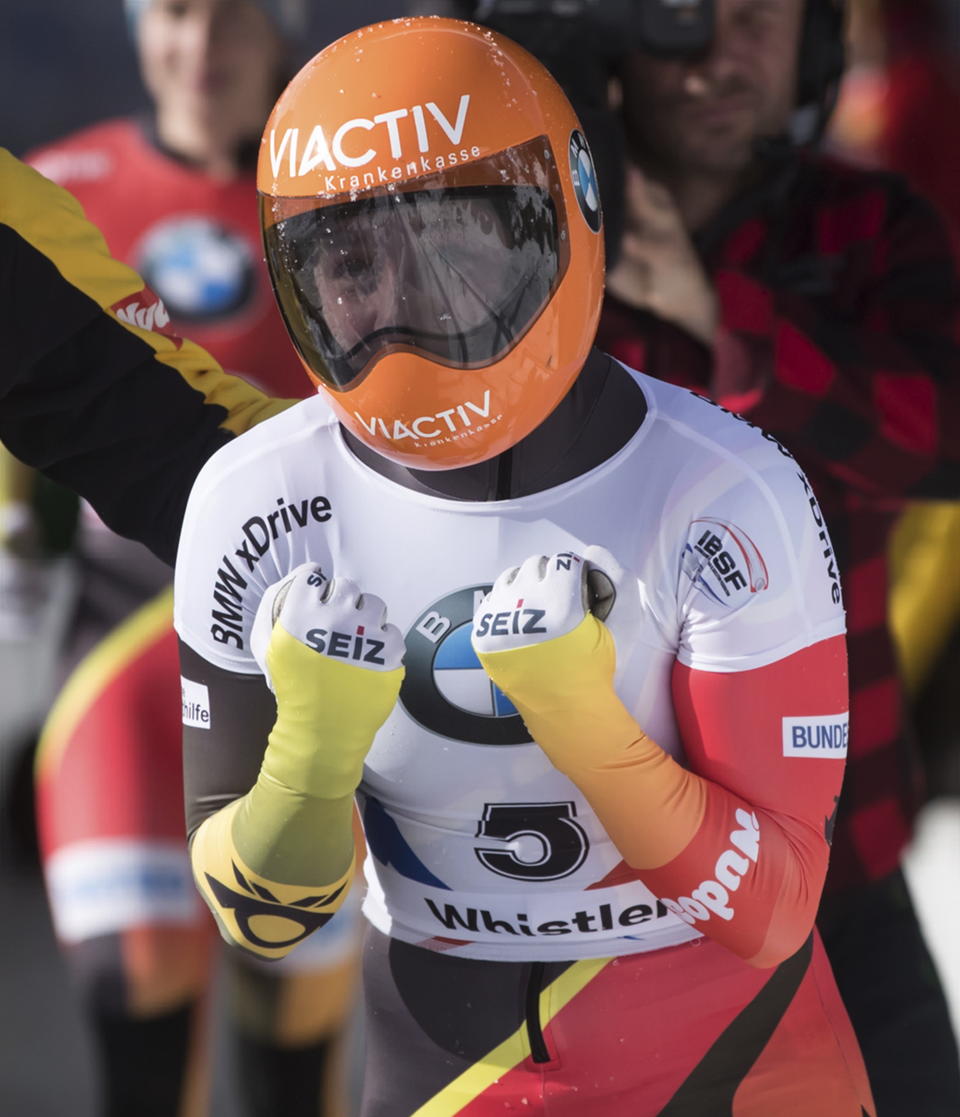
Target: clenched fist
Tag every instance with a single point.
(539, 636)
(335, 666)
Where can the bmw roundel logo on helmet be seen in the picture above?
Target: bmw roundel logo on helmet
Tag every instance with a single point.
(584, 176)
(446, 690)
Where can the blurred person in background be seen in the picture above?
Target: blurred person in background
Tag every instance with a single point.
(175, 195)
(822, 301)
(899, 108)
(140, 946)
(919, 118)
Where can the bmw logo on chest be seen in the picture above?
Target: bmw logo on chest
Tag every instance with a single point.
(445, 688)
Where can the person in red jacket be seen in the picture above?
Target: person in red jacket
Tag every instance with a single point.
(175, 195)
(174, 191)
(822, 301)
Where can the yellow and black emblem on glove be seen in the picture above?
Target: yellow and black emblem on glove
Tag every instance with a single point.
(265, 922)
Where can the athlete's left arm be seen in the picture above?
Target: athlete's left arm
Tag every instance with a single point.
(755, 811)
(738, 841)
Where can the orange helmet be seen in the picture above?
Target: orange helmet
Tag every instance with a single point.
(433, 232)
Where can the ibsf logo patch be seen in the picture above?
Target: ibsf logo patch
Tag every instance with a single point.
(446, 689)
(723, 560)
(585, 184)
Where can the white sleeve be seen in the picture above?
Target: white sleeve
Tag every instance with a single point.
(243, 531)
(219, 577)
(256, 511)
(758, 577)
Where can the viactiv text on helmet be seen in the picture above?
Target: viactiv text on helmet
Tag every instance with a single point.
(375, 122)
(429, 143)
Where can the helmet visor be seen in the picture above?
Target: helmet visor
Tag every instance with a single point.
(455, 272)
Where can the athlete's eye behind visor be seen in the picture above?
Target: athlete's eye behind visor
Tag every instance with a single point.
(456, 272)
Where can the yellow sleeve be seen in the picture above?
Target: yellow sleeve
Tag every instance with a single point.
(94, 391)
(276, 864)
(255, 865)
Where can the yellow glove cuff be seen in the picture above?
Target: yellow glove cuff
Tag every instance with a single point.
(265, 916)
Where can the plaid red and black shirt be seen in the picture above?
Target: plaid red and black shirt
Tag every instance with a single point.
(839, 334)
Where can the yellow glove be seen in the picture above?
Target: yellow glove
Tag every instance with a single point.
(335, 666)
(539, 638)
(276, 864)
(539, 641)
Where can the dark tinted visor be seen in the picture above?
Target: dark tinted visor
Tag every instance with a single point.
(456, 272)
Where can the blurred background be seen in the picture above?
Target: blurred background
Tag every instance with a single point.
(66, 65)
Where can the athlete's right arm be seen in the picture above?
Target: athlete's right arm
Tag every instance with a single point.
(274, 862)
(92, 391)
